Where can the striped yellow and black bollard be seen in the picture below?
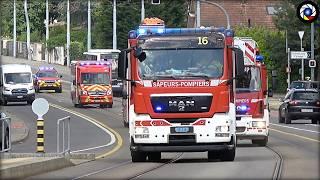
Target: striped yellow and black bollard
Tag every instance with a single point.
(40, 107)
(40, 136)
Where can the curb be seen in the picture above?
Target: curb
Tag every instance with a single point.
(29, 169)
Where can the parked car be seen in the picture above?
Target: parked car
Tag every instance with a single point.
(4, 122)
(304, 85)
(47, 78)
(300, 104)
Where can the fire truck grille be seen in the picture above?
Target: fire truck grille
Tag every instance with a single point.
(97, 93)
(50, 81)
(181, 104)
(19, 91)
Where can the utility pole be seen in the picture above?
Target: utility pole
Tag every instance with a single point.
(47, 31)
(198, 13)
(28, 29)
(142, 10)
(312, 50)
(68, 33)
(289, 67)
(14, 29)
(89, 26)
(114, 43)
(301, 33)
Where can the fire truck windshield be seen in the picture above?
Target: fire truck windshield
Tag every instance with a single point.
(95, 78)
(47, 74)
(251, 81)
(181, 63)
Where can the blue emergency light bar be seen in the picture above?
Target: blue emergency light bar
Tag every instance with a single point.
(102, 63)
(43, 68)
(259, 58)
(160, 30)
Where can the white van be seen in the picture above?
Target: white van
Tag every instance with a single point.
(16, 84)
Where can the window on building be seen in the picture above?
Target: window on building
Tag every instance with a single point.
(272, 10)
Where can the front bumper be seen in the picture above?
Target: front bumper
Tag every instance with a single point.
(19, 97)
(191, 147)
(49, 86)
(296, 112)
(246, 130)
(96, 99)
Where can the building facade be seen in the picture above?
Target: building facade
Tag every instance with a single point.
(241, 12)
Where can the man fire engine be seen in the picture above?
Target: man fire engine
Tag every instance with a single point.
(179, 95)
(91, 83)
(252, 99)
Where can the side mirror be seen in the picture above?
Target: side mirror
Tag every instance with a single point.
(239, 62)
(74, 82)
(60, 76)
(124, 94)
(122, 65)
(34, 76)
(281, 99)
(270, 92)
(140, 54)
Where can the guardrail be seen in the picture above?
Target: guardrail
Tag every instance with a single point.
(5, 136)
(65, 145)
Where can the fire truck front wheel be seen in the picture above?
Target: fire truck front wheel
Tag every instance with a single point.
(154, 156)
(137, 156)
(59, 90)
(228, 155)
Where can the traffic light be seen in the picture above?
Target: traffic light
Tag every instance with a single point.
(155, 1)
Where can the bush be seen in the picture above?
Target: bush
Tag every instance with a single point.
(76, 50)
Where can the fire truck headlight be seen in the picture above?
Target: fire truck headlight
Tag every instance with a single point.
(222, 129)
(84, 93)
(109, 92)
(259, 124)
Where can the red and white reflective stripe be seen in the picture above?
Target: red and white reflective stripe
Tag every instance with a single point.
(152, 123)
(200, 122)
(250, 52)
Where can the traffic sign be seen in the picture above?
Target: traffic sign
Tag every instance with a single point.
(300, 54)
(312, 63)
(40, 107)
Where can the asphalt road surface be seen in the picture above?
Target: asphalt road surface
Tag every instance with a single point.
(292, 151)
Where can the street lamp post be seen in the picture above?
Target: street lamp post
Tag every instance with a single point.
(142, 10)
(302, 60)
(114, 43)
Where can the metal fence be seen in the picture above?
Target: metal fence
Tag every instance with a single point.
(5, 134)
(65, 127)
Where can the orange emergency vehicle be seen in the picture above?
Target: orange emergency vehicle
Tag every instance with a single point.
(252, 95)
(180, 90)
(91, 83)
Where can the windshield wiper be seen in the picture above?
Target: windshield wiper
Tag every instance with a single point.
(196, 76)
(156, 77)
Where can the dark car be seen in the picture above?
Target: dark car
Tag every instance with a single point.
(300, 104)
(4, 122)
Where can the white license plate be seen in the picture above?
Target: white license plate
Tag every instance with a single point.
(306, 110)
(19, 97)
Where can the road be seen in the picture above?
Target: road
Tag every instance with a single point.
(293, 150)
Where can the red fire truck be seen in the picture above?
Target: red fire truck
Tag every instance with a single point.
(91, 83)
(179, 91)
(252, 110)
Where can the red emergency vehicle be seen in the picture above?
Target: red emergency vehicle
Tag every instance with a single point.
(252, 95)
(179, 90)
(47, 78)
(91, 83)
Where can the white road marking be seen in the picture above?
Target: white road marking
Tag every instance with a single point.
(93, 121)
(295, 128)
(312, 125)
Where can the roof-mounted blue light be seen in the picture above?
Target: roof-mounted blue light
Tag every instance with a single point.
(44, 68)
(259, 58)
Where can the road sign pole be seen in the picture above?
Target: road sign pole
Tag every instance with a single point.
(302, 60)
(312, 49)
(40, 107)
(312, 74)
(289, 68)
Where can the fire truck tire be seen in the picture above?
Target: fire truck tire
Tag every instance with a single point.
(213, 155)
(109, 105)
(260, 142)
(58, 90)
(314, 121)
(228, 155)
(30, 101)
(281, 119)
(125, 124)
(137, 156)
(37, 90)
(154, 156)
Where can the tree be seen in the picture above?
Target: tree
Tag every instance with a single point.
(284, 21)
